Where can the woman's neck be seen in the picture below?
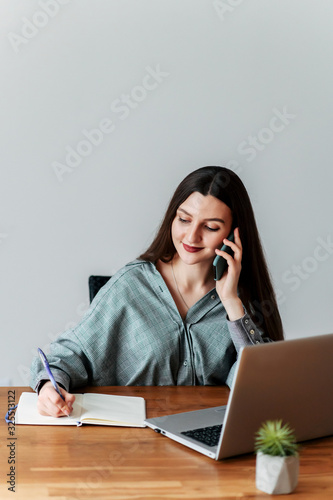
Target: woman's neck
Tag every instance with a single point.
(195, 276)
(187, 284)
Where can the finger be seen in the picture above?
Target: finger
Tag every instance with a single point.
(70, 399)
(59, 402)
(237, 238)
(49, 409)
(58, 409)
(237, 244)
(223, 254)
(226, 254)
(230, 261)
(236, 247)
(50, 403)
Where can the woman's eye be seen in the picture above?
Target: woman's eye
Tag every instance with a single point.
(182, 220)
(212, 228)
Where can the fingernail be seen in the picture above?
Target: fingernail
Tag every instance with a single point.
(65, 410)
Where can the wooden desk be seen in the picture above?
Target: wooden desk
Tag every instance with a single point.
(92, 462)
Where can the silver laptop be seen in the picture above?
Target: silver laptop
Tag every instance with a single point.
(290, 380)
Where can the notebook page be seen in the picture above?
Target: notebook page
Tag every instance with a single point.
(27, 413)
(105, 409)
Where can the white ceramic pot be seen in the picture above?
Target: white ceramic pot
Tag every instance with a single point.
(276, 475)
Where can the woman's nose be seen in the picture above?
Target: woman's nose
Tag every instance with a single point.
(193, 235)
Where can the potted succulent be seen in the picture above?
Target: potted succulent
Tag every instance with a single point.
(277, 462)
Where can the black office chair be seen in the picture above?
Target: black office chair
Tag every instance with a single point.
(95, 283)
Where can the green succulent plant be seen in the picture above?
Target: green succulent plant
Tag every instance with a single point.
(276, 439)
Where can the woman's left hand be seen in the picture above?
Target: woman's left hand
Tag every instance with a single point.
(227, 286)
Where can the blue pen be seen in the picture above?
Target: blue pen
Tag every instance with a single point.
(50, 375)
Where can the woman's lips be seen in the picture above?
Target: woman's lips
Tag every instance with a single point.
(191, 249)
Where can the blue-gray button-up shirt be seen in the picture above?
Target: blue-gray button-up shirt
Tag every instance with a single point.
(133, 334)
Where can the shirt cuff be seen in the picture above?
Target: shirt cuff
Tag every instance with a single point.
(244, 332)
(59, 376)
(42, 382)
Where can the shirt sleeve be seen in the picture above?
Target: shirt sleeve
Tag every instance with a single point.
(244, 332)
(78, 356)
(67, 363)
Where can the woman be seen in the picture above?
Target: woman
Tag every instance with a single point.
(162, 319)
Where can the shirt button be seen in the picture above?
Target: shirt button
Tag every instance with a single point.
(185, 362)
(252, 331)
(212, 297)
(246, 321)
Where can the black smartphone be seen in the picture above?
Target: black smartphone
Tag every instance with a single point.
(220, 263)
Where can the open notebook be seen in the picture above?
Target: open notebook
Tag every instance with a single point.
(95, 409)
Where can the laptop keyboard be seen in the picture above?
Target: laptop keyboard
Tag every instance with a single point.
(207, 435)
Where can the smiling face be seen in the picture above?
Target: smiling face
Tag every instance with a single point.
(200, 225)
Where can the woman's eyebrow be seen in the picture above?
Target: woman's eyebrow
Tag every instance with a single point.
(216, 220)
(210, 219)
(182, 210)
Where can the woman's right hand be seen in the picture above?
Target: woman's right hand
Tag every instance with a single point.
(50, 403)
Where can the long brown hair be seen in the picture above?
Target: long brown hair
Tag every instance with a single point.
(255, 287)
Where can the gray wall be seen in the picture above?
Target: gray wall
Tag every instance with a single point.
(107, 105)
